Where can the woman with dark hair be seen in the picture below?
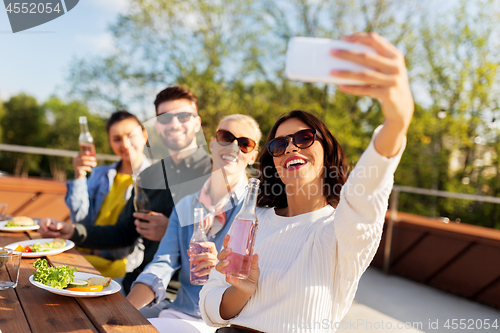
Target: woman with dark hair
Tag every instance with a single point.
(318, 228)
(273, 190)
(99, 199)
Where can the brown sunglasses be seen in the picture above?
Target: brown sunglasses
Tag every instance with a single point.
(225, 138)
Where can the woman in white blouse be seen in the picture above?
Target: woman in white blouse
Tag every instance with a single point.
(318, 232)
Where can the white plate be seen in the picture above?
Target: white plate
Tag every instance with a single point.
(111, 289)
(17, 229)
(69, 245)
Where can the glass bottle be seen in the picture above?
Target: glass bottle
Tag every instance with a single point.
(199, 236)
(85, 140)
(141, 200)
(243, 232)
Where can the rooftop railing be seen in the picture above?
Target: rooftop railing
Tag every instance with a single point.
(52, 152)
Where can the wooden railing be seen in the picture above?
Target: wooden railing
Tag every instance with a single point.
(455, 257)
(34, 197)
(459, 258)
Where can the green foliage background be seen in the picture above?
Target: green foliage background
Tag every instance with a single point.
(231, 54)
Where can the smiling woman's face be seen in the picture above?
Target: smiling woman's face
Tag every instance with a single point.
(126, 141)
(298, 167)
(230, 157)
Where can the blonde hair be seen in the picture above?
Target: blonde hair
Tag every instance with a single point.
(245, 119)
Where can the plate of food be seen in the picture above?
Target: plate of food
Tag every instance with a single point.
(41, 247)
(66, 281)
(19, 223)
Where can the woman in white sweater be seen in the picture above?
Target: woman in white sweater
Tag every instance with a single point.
(315, 240)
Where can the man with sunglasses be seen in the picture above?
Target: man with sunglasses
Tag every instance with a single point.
(164, 182)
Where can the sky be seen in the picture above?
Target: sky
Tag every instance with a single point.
(37, 61)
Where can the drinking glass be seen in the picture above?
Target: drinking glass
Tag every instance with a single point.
(3, 211)
(10, 261)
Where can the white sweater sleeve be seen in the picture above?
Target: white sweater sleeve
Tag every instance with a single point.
(359, 219)
(211, 298)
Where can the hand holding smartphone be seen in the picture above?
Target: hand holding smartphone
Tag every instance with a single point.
(310, 60)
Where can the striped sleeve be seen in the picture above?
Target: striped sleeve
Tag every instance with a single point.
(359, 218)
(211, 298)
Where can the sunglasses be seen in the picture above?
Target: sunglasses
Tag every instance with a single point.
(166, 118)
(225, 138)
(302, 139)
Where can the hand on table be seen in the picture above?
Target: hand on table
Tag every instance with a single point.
(155, 228)
(204, 261)
(53, 228)
(247, 286)
(83, 164)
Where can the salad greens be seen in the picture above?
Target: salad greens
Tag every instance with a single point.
(56, 277)
(55, 244)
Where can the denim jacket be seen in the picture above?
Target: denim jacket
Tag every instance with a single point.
(85, 196)
(172, 253)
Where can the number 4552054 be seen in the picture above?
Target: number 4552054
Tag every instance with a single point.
(470, 324)
(32, 8)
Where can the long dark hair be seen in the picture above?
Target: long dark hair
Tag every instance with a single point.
(272, 189)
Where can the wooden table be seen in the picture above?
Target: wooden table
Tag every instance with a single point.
(30, 309)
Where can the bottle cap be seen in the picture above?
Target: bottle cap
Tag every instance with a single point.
(83, 120)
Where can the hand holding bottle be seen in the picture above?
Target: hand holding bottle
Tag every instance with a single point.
(83, 164)
(152, 225)
(204, 261)
(247, 286)
(85, 161)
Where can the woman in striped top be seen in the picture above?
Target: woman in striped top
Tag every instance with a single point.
(318, 229)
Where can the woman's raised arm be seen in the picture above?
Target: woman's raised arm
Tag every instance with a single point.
(387, 81)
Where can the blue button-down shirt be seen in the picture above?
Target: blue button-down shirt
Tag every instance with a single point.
(172, 253)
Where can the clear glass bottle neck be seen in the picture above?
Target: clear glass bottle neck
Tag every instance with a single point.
(199, 234)
(247, 211)
(84, 128)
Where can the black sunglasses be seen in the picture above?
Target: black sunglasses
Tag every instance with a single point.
(166, 118)
(225, 138)
(302, 139)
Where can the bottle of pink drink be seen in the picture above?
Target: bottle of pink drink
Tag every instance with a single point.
(242, 234)
(199, 236)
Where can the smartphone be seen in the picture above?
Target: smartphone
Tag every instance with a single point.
(309, 60)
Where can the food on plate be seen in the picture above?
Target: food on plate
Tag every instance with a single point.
(25, 249)
(62, 277)
(99, 280)
(78, 283)
(88, 289)
(56, 277)
(20, 221)
(48, 246)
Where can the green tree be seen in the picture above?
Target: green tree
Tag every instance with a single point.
(231, 54)
(227, 48)
(459, 65)
(54, 124)
(23, 124)
(64, 129)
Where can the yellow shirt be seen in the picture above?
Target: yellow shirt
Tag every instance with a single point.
(111, 207)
